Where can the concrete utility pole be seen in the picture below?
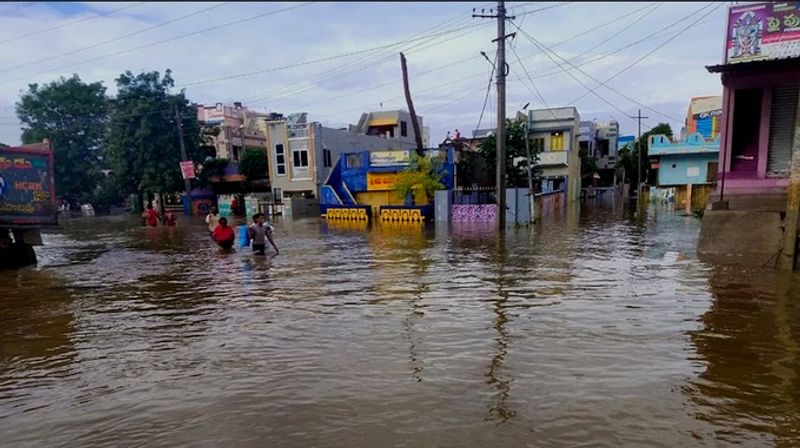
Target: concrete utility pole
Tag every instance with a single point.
(502, 72)
(184, 156)
(639, 203)
(411, 111)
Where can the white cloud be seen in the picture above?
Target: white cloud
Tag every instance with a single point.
(665, 80)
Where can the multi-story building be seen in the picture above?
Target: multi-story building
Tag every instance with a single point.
(302, 153)
(606, 151)
(588, 138)
(392, 124)
(239, 128)
(555, 133)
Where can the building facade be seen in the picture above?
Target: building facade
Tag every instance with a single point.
(555, 133)
(302, 153)
(759, 123)
(239, 128)
(391, 124)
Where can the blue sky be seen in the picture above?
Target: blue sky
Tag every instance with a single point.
(448, 75)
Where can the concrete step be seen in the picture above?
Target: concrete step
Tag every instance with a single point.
(768, 202)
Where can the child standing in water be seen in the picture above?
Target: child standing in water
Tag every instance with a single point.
(223, 235)
(260, 232)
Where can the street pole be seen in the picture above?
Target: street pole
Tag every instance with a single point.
(501, 115)
(530, 175)
(639, 203)
(502, 72)
(184, 156)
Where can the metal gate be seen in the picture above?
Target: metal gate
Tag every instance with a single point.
(781, 130)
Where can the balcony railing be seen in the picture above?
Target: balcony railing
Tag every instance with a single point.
(551, 158)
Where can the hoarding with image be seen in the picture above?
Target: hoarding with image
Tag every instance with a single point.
(763, 31)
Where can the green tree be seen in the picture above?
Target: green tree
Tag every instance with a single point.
(628, 158)
(253, 164)
(143, 145)
(516, 157)
(73, 115)
(422, 177)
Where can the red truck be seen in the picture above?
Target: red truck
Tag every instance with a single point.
(27, 201)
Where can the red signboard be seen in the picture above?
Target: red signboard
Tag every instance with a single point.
(187, 169)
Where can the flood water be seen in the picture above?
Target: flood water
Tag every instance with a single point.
(591, 331)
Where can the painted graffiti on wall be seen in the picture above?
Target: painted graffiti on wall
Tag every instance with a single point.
(474, 212)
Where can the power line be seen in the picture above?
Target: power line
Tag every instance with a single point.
(116, 39)
(656, 49)
(261, 98)
(595, 79)
(159, 42)
(546, 53)
(535, 89)
(64, 25)
(488, 91)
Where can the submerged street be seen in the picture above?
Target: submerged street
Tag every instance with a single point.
(591, 331)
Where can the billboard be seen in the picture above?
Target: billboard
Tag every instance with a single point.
(763, 31)
(389, 158)
(27, 191)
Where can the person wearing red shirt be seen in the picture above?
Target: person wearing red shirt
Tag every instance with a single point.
(223, 235)
(152, 216)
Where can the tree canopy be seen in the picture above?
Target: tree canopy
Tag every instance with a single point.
(629, 155)
(422, 177)
(73, 115)
(143, 145)
(253, 163)
(516, 156)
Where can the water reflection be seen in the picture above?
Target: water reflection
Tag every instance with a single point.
(588, 331)
(748, 353)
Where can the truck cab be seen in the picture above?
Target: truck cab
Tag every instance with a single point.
(27, 201)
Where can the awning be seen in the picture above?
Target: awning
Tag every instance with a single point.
(383, 122)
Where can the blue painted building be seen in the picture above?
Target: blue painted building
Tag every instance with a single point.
(365, 180)
(692, 160)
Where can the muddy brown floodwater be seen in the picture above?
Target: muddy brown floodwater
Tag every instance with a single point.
(592, 331)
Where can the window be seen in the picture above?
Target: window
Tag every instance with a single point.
(300, 158)
(237, 151)
(354, 161)
(326, 158)
(537, 144)
(280, 160)
(556, 141)
(403, 129)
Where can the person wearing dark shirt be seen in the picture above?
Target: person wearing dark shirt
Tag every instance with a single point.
(223, 235)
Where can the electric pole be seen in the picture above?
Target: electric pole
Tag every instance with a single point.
(184, 156)
(502, 72)
(639, 202)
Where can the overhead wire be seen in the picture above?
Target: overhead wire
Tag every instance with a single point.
(116, 39)
(488, 91)
(648, 54)
(162, 41)
(66, 24)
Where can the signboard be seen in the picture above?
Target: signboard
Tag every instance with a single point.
(763, 31)
(381, 181)
(693, 171)
(187, 169)
(27, 192)
(389, 158)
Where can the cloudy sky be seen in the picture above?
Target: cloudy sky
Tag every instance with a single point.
(336, 60)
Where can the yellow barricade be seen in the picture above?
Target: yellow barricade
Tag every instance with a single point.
(352, 214)
(401, 215)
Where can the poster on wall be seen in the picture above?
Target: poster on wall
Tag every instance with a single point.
(763, 31)
(381, 181)
(187, 169)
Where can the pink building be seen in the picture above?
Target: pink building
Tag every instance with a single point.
(761, 85)
(758, 126)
